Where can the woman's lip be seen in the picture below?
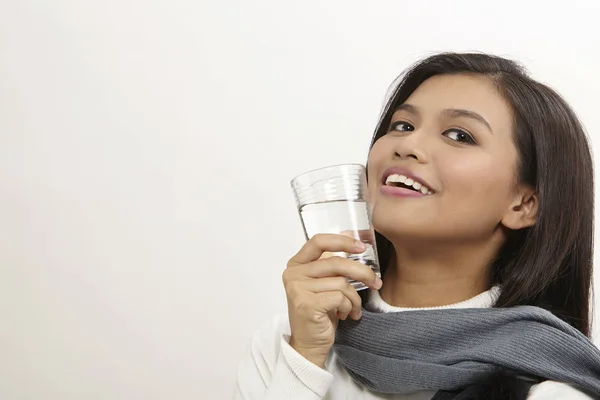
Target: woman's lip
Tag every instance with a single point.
(396, 191)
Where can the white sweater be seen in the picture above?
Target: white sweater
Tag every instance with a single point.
(273, 370)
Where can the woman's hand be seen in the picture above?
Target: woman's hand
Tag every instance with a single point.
(318, 293)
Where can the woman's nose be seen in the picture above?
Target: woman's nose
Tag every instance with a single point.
(412, 146)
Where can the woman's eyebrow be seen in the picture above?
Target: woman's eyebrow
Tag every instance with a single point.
(449, 112)
(408, 108)
(462, 113)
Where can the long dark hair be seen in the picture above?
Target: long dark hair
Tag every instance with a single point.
(548, 265)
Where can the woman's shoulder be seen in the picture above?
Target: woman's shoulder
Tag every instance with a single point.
(267, 338)
(273, 329)
(551, 390)
(272, 366)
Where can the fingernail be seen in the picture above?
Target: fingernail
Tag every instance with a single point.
(359, 314)
(360, 245)
(378, 283)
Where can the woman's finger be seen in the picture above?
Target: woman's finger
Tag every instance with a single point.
(339, 266)
(318, 244)
(364, 235)
(344, 309)
(331, 302)
(337, 283)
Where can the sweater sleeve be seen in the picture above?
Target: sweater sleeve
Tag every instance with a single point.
(273, 370)
(551, 390)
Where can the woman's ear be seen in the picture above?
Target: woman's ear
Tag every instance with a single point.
(522, 212)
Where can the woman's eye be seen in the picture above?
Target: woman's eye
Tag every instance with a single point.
(459, 136)
(401, 126)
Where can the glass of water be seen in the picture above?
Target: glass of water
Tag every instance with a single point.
(335, 200)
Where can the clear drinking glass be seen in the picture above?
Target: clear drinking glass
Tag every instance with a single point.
(335, 200)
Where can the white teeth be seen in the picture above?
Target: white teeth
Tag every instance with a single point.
(396, 178)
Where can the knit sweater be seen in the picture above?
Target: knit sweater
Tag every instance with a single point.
(273, 370)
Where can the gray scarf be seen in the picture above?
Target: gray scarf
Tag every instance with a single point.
(450, 349)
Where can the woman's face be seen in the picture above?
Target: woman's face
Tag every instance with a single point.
(454, 135)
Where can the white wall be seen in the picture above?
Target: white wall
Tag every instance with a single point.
(145, 154)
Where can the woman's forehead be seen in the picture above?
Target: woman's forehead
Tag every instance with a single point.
(473, 93)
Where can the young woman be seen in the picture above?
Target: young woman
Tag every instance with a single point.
(486, 278)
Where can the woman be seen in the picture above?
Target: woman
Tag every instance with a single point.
(508, 222)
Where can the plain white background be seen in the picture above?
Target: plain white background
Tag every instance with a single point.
(145, 154)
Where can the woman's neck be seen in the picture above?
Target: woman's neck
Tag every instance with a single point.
(436, 278)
